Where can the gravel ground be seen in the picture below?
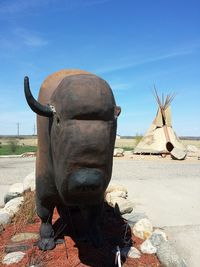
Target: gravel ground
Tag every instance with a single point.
(13, 170)
(169, 193)
(161, 187)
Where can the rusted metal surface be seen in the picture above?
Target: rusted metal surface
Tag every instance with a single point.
(75, 149)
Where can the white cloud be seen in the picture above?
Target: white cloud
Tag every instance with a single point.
(133, 63)
(9, 7)
(30, 38)
(13, 7)
(119, 86)
(20, 38)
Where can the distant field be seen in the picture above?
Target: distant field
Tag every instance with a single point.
(191, 142)
(29, 143)
(17, 145)
(130, 143)
(21, 141)
(7, 150)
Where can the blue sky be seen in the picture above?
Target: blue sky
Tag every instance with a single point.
(132, 44)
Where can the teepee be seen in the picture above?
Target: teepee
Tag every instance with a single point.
(160, 137)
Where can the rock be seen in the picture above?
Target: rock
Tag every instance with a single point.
(134, 217)
(5, 217)
(14, 191)
(16, 247)
(13, 205)
(16, 188)
(110, 195)
(178, 154)
(128, 153)
(116, 187)
(116, 197)
(142, 229)
(147, 247)
(168, 256)
(130, 252)
(1, 228)
(119, 193)
(121, 205)
(118, 152)
(13, 257)
(29, 182)
(157, 238)
(134, 253)
(193, 151)
(192, 148)
(10, 196)
(108, 198)
(28, 154)
(24, 236)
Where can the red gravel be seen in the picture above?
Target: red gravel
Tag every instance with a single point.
(81, 253)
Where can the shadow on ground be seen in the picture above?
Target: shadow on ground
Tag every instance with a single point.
(115, 233)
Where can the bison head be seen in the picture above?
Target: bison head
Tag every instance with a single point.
(82, 129)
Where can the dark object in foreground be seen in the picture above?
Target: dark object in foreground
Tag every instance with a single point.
(76, 126)
(116, 233)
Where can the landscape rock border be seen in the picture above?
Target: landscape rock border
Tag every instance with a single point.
(14, 198)
(155, 240)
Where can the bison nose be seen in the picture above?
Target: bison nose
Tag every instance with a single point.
(85, 180)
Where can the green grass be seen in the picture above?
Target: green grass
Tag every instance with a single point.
(7, 150)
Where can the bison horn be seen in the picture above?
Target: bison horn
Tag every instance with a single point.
(42, 110)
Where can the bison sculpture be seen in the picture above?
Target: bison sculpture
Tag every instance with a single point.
(76, 127)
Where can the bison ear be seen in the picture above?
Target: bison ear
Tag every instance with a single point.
(117, 111)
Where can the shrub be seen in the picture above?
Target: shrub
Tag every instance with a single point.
(138, 138)
(13, 145)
